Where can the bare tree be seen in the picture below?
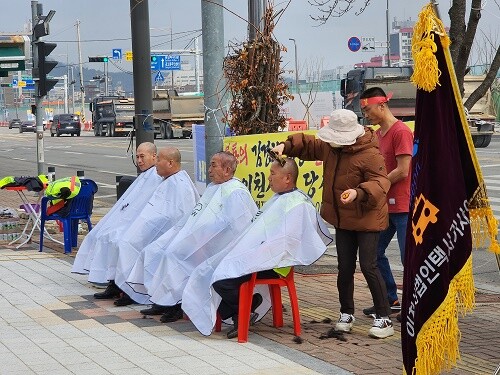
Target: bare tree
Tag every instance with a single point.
(312, 70)
(462, 35)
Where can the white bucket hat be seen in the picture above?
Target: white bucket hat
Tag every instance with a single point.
(343, 128)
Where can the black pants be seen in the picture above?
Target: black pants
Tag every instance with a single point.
(348, 243)
(229, 290)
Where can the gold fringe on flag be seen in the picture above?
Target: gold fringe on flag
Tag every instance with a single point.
(437, 341)
(426, 72)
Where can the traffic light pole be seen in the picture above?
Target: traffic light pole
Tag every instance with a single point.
(40, 157)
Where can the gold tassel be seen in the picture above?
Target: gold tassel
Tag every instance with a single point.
(437, 341)
(426, 72)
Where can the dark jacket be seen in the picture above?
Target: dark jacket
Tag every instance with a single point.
(359, 166)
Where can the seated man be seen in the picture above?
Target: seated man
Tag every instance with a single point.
(124, 211)
(225, 209)
(288, 231)
(175, 197)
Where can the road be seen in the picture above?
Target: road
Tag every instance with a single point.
(104, 158)
(101, 158)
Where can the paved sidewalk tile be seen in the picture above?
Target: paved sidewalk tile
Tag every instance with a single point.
(50, 324)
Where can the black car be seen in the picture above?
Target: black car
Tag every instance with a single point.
(27, 126)
(65, 124)
(14, 123)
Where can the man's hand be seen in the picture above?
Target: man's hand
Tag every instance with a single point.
(279, 149)
(348, 196)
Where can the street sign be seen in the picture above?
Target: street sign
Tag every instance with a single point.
(14, 82)
(128, 56)
(159, 77)
(165, 62)
(21, 84)
(354, 44)
(117, 54)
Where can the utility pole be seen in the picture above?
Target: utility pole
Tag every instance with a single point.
(212, 24)
(66, 106)
(41, 67)
(256, 9)
(143, 90)
(197, 64)
(82, 87)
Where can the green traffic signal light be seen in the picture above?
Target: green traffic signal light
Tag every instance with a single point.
(153, 58)
(105, 59)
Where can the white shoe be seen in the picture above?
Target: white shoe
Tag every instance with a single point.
(345, 323)
(382, 328)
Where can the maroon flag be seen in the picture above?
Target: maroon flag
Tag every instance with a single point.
(448, 197)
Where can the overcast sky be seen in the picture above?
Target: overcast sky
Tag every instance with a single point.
(105, 24)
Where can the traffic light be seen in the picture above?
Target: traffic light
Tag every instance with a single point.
(45, 66)
(98, 59)
(153, 58)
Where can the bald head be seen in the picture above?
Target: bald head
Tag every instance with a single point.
(146, 155)
(168, 161)
(283, 179)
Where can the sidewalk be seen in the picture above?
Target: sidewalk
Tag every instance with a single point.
(50, 323)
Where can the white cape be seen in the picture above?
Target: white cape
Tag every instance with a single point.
(173, 198)
(288, 232)
(118, 218)
(164, 267)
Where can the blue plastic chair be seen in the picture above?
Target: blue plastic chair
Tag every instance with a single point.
(80, 209)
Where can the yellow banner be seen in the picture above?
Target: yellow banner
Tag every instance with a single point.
(254, 164)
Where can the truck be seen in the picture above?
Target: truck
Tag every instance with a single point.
(397, 81)
(112, 115)
(174, 115)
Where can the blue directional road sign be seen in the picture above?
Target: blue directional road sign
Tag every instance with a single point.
(159, 77)
(165, 62)
(14, 82)
(354, 44)
(117, 54)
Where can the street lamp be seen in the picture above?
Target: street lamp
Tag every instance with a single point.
(296, 65)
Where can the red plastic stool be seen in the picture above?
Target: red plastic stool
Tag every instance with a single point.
(245, 304)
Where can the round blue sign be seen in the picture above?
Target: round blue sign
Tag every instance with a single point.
(354, 44)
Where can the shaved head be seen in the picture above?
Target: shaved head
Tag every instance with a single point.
(146, 155)
(168, 161)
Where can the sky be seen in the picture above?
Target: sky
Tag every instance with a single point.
(105, 24)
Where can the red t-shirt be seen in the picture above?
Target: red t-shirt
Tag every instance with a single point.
(397, 141)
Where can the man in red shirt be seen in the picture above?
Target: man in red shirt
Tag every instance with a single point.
(396, 146)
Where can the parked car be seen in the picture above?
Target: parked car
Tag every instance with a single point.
(14, 123)
(27, 126)
(65, 124)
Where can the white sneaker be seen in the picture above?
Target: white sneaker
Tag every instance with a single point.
(382, 328)
(345, 323)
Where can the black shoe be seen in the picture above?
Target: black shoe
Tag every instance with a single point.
(256, 301)
(173, 314)
(233, 332)
(156, 310)
(124, 300)
(112, 291)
